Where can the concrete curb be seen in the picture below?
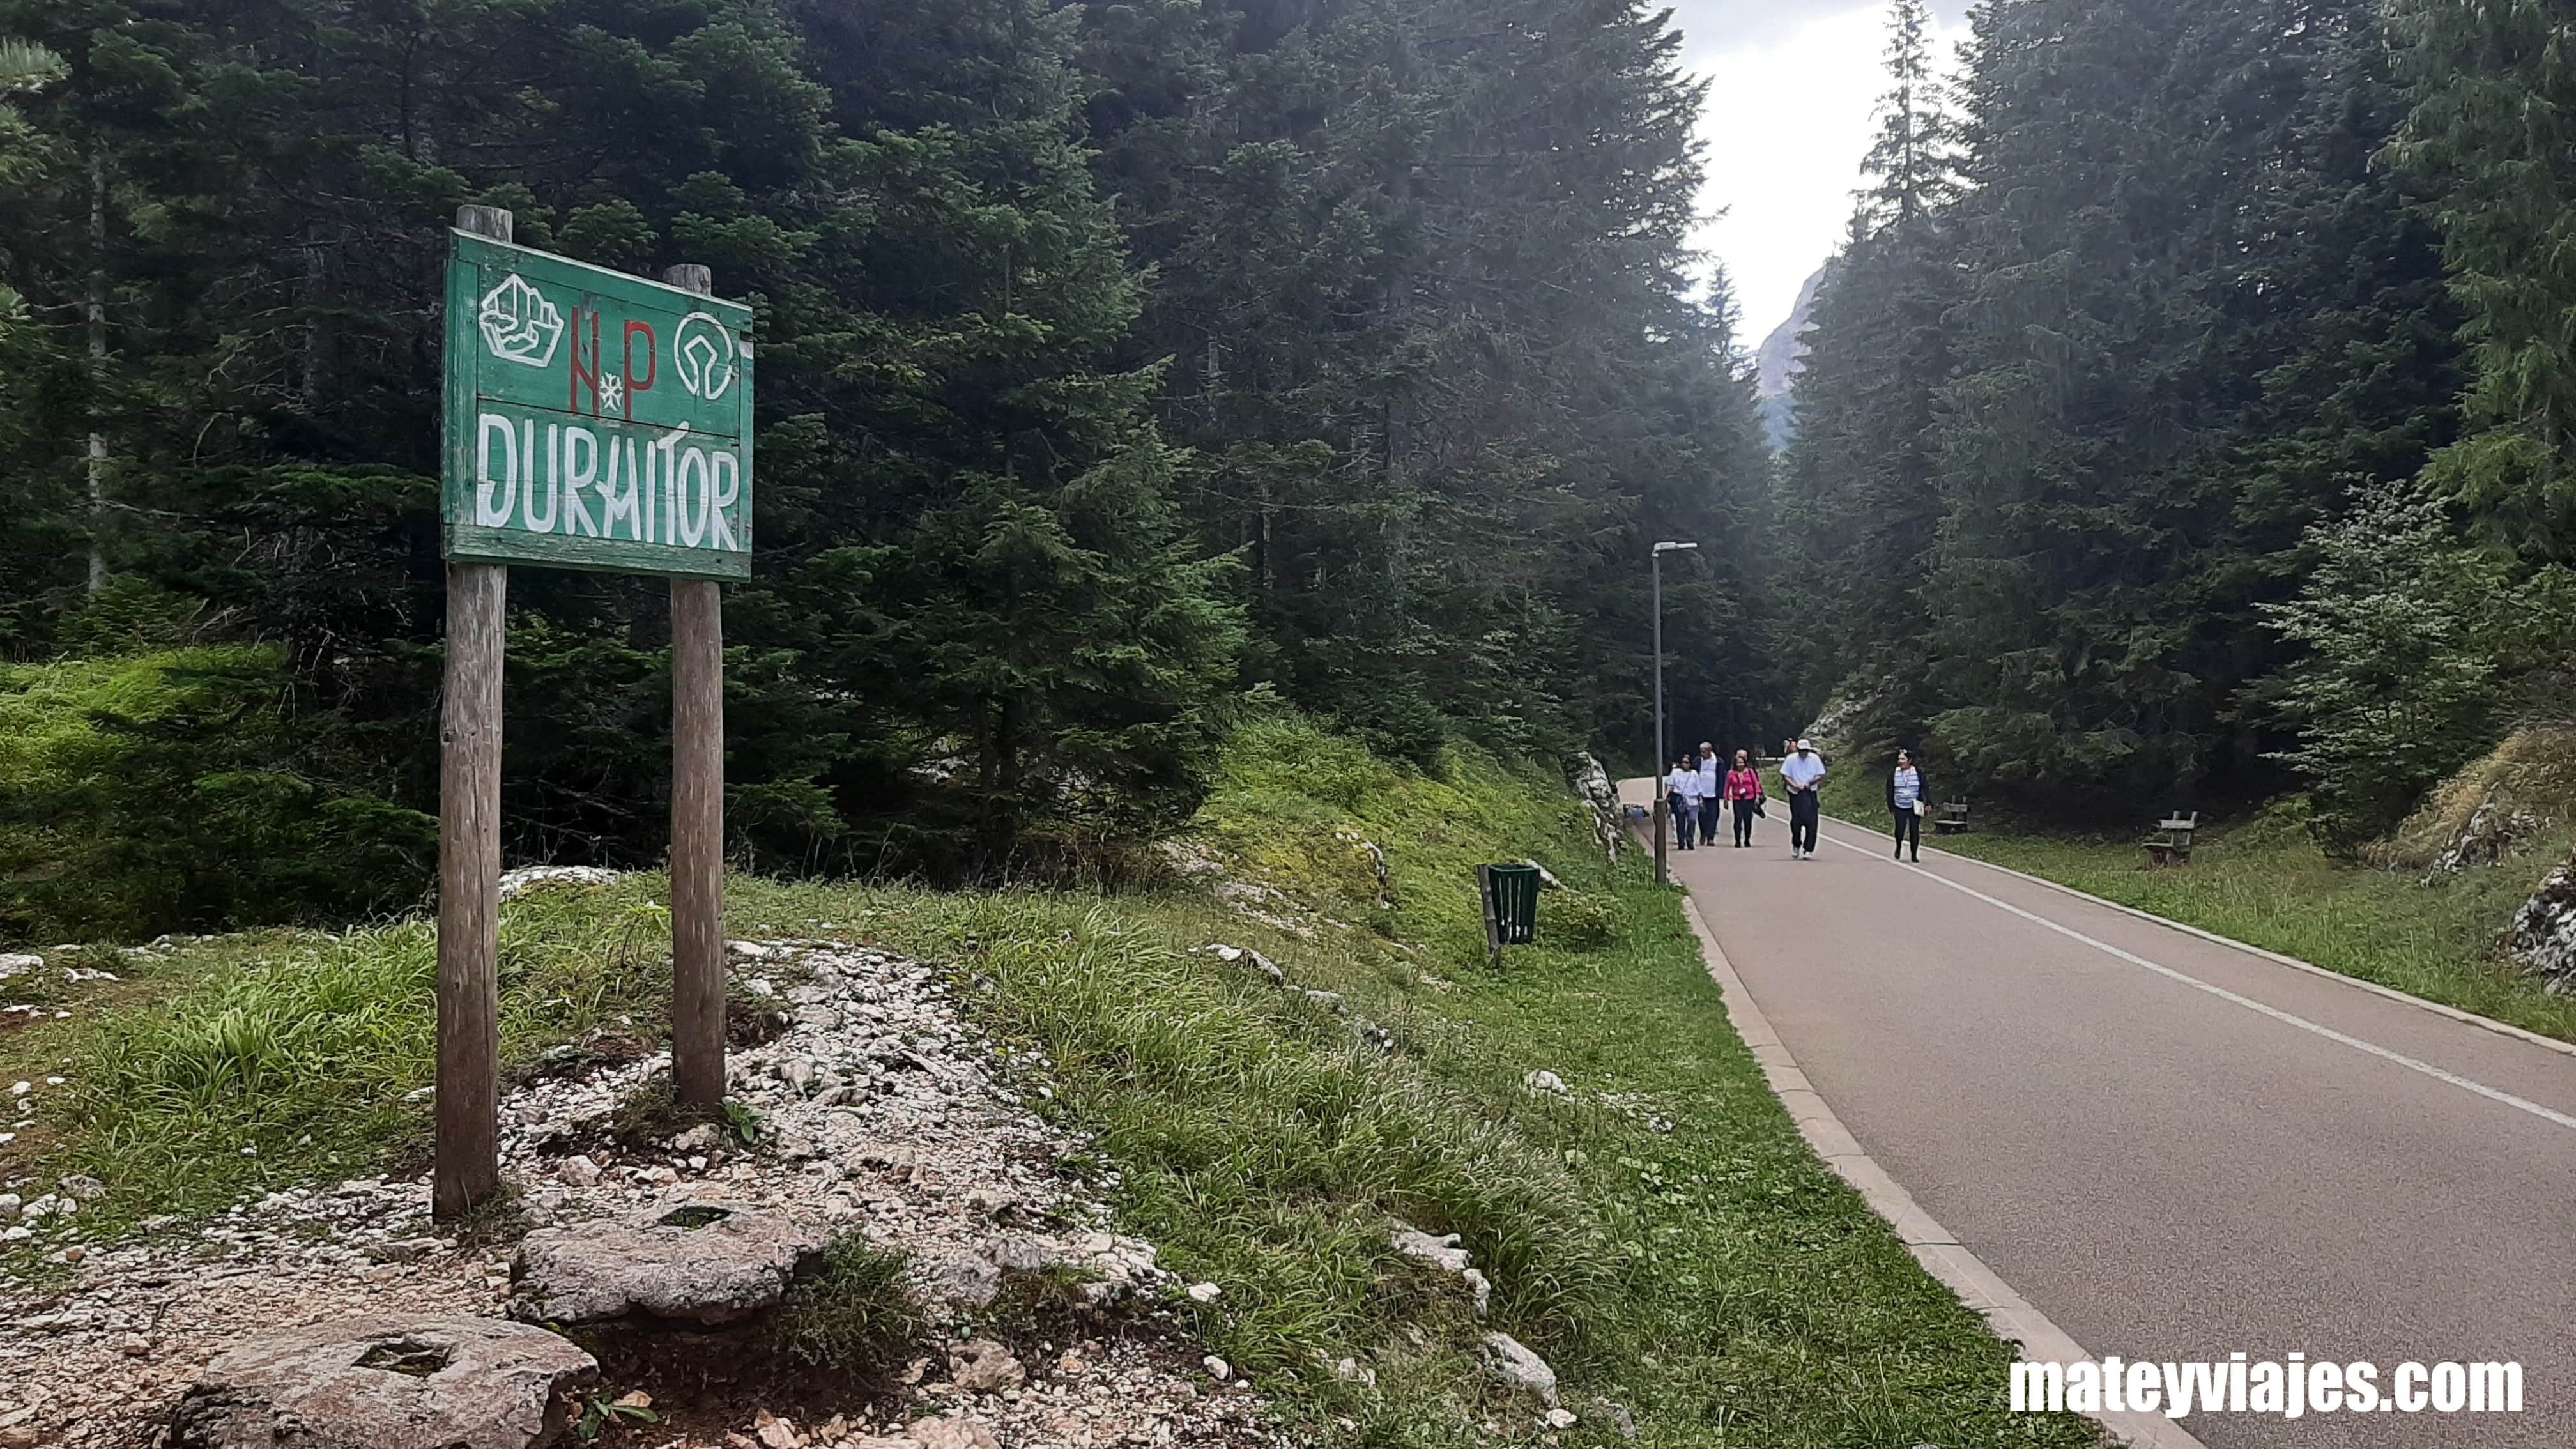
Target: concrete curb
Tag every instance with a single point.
(2469, 1018)
(1939, 1251)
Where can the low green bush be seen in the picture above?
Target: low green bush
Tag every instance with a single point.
(1578, 920)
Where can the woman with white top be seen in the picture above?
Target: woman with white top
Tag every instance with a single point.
(1905, 801)
(1681, 796)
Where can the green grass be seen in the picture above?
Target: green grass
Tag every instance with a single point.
(2267, 883)
(303, 1047)
(852, 1314)
(1662, 1236)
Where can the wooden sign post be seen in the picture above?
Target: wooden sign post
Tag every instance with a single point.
(591, 420)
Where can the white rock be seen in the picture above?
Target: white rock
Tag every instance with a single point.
(1217, 1368)
(515, 883)
(1560, 1418)
(1442, 1251)
(1510, 1362)
(1204, 1292)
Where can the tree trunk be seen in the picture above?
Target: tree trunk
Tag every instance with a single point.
(97, 366)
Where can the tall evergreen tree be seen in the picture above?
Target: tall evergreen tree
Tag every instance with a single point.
(969, 550)
(1421, 267)
(2491, 133)
(2064, 427)
(1859, 475)
(2143, 243)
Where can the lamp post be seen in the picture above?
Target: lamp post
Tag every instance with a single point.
(1657, 565)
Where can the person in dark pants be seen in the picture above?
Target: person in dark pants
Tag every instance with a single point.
(1743, 790)
(1905, 797)
(1712, 791)
(1802, 772)
(1681, 796)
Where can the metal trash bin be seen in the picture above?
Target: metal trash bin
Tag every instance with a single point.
(1511, 904)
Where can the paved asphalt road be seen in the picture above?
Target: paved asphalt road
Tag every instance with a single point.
(2166, 1171)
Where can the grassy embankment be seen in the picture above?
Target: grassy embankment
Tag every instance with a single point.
(2266, 882)
(1661, 1235)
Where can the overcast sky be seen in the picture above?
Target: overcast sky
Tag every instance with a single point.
(1793, 83)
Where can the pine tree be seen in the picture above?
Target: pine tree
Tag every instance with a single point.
(1860, 475)
(2143, 258)
(1915, 156)
(968, 541)
(2490, 134)
(1421, 269)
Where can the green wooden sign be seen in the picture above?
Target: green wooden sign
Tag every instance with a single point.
(593, 420)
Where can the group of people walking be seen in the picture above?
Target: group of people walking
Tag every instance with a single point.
(1700, 791)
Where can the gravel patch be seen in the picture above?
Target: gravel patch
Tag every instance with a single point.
(881, 1112)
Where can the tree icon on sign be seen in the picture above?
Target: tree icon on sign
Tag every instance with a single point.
(518, 323)
(703, 352)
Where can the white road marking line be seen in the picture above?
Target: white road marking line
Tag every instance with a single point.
(2222, 993)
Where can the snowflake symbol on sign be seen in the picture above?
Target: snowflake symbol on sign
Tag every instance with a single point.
(612, 393)
(704, 353)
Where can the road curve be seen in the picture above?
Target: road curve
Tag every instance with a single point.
(2174, 1148)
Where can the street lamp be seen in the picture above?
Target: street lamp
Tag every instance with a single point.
(1661, 755)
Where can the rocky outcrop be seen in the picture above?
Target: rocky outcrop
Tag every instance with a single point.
(1782, 358)
(2493, 833)
(1593, 783)
(704, 1263)
(387, 1383)
(2544, 932)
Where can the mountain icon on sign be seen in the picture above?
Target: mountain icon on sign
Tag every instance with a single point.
(518, 323)
(703, 351)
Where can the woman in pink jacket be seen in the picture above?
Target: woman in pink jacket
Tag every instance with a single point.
(1743, 790)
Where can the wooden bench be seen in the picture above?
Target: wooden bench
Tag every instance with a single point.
(1953, 819)
(2171, 845)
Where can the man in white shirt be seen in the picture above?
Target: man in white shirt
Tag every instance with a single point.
(1802, 772)
(1681, 793)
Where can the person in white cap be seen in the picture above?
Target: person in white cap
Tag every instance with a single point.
(1801, 773)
